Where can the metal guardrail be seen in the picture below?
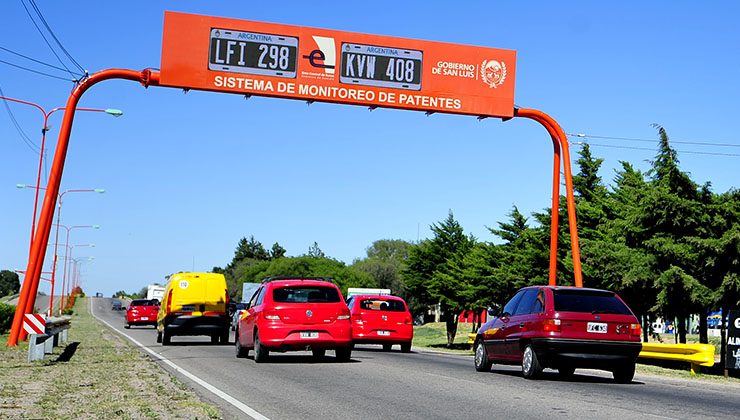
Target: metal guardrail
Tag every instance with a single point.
(696, 354)
(55, 333)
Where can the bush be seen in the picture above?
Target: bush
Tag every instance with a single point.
(7, 312)
(68, 311)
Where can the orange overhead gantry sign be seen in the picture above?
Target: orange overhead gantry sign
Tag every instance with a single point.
(256, 58)
(294, 62)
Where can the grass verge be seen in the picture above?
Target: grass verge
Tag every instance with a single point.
(104, 377)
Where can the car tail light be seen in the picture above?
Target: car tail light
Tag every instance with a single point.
(344, 314)
(635, 329)
(357, 319)
(551, 325)
(272, 315)
(169, 300)
(408, 320)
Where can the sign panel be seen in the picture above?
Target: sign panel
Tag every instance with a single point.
(295, 62)
(34, 323)
(732, 361)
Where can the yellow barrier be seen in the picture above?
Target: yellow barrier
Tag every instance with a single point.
(471, 338)
(696, 354)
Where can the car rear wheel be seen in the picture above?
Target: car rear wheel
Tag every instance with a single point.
(159, 337)
(165, 338)
(318, 353)
(624, 374)
(344, 354)
(127, 325)
(214, 339)
(405, 347)
(387, 347)
(482, 363)
(224, 336)
(241, 352)
(260, 353)
(530, 364)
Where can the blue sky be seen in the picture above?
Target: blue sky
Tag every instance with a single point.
(187, 175)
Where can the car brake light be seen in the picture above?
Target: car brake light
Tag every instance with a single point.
(272, 315)
(635, 329)
(551, 325)
(357, 319)
(408, 320)
(169, 300)
(344, 314)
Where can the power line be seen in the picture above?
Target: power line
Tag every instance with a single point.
(580, 143)
(48, 28)
(37, 72)
(31, 59)
(31, 145)
(46, 40)
(699, 143)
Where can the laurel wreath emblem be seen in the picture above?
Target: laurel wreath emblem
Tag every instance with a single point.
(493, 83)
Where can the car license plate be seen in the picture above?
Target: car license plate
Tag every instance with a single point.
(188, 308)
(596, 327)
(311, 334)
(381, 332)
(145, 318)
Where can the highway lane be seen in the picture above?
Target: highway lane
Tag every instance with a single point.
(423, 385)
(42, 304)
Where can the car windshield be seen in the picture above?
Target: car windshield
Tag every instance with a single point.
(382, 305)
(306, 294)
(591, 301)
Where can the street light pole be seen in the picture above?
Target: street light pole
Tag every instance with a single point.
(56, 245)
(60, 200)
(109, 111)
(69, 249)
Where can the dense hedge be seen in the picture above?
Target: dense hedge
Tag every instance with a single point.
(6, 317)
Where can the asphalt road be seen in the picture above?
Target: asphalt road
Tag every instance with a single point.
(421, 385)
(42, 303)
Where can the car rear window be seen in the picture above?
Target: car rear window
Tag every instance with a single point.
(382, 305)
(591, 301)
(140, 302)
(306, 294)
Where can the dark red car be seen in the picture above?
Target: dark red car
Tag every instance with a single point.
(142, 312)
(381, 319)
(288, 314)
(562, 328)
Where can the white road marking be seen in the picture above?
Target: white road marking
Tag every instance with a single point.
(224, 396)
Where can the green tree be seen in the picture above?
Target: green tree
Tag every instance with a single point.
(434, 271)
(315, 252)
(277, 251)
(9, 283)
(385, 262)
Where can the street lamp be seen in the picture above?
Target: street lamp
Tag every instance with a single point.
(60, 200)
(67, 257)
(44, 129)
(76, 278)
(66, 245)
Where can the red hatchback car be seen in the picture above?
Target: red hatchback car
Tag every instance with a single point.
(563, 328)
(381, 319)
(142, 312)
(295, 313)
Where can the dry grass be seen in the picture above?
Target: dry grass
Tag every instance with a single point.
(106, 377)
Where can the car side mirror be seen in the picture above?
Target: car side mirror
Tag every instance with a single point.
(494, 311)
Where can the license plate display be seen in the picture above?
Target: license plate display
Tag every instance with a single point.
(188, 308)
(380, 332)
(596, 327)
(145, 318)
(309, 334)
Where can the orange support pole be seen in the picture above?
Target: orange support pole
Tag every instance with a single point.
(557, 133)
(30, 286)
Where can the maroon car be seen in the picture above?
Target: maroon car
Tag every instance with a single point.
(562, 328)
(142, 312)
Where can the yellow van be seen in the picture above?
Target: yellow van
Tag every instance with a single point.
(194, 304)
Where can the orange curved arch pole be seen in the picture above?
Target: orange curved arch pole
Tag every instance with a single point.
(27, 298)
(557, 133)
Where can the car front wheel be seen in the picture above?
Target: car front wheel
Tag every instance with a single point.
(530, 364)
(482, 363)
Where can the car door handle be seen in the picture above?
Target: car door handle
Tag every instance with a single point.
(503, 327)
(521, 325)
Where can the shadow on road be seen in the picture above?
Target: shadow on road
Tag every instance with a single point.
(556, 377)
